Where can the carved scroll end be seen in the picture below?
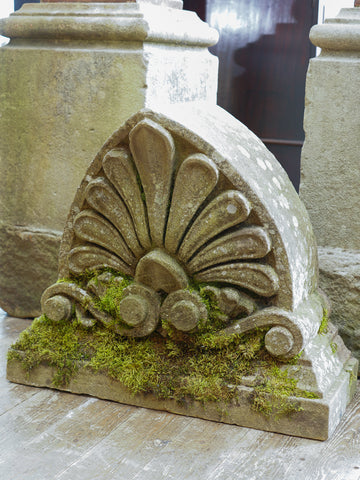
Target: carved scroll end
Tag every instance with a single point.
(289, 332)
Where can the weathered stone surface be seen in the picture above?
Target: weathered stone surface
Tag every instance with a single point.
(230, 236)
(242, 261)
(140, 309)
(195, 180)
(119, 168)
(292, 233)
(92, 227)
(250, 243)
(340, 279)
(161, 272)
(25, 258)
(183, 310)
(231, 301)
(80, 70)
(58, 308)
(341, 34)
(330, 161)
(330, 174)
(153, 151)
(279, 341)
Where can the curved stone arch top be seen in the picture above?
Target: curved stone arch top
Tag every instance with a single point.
(189, 196)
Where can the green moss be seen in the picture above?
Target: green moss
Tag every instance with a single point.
(203, 365)
(272, 397)
(323, 329)
(352, 377)
(93, 276)
(57, 345)
(110, 301)
(113, 289)
(216, 318)
(198, 367)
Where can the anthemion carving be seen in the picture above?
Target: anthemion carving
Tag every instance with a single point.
(168, 221)
(187, 247)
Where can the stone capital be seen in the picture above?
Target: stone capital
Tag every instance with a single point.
(140, 21)
(341, 33)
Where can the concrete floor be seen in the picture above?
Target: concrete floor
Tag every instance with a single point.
(46, 434)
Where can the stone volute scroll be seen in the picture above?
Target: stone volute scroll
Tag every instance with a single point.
(185, 214)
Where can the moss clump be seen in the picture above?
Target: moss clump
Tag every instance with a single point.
(203, 365)
(198, 367)
(272, 396)
(323, 329)
(216, 318)
(107, 289)
(109, 302)
(57, 345)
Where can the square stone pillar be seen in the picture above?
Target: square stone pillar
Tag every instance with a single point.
(330, 175)
(70, 75)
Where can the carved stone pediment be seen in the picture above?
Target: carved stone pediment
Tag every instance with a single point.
(183, 213)
(170, 215)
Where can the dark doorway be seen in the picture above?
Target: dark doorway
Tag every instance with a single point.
(264, 50)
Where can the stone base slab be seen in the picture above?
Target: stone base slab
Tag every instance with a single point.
(317, 419)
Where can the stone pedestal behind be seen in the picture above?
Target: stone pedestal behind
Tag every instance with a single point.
(330, 175)
(70, 75)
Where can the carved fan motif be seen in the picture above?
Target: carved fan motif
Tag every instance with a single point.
(165, 222)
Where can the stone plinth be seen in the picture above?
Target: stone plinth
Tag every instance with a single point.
(330, 173)
(70, 75)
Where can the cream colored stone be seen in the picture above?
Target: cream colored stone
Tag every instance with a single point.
(58, 308)
(231, 301)
(225, 211)
(279, 341)
(140, 310)
(153, 152)
(330, 173)
(89, 226)
(218, 243)
(250, 243)
(120, 170)
(133, 310)
(195, 180)
(183, 310)
(340, 279)
(243, 246)
(160, 271)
